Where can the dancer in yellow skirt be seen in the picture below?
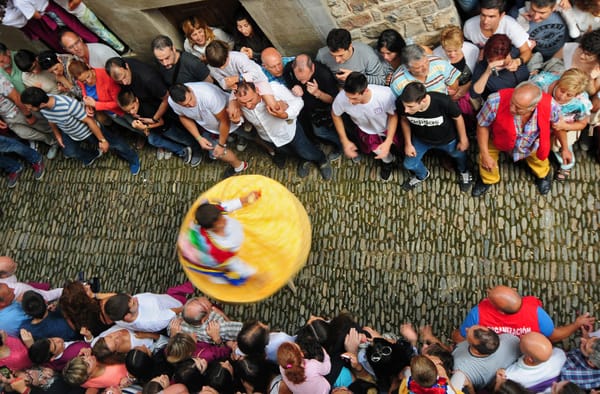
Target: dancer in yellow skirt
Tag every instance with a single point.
(215, 238)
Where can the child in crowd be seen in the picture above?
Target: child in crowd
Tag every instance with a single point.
(303, 376)
(424, 378)
(569, 91)
(156, 132)
(212, 243)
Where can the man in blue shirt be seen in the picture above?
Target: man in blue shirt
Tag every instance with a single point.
(11, 313)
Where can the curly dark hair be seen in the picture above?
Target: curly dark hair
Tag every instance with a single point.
(590, 42)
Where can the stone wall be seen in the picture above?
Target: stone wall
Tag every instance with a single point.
(419, 21)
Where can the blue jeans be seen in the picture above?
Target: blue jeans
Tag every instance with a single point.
(183, 137)
(302, 147)
(11, 145)
(328, 135)
(158, 140)
(415, 164)
(117, 145)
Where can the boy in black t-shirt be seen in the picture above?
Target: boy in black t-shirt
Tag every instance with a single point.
(160, 134)
(431, 120)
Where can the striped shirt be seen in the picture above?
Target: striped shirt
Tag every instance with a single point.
(527, 135)
(68, 114)
(441, 75)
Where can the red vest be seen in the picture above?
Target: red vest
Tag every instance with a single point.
(522, 322)
(504, 133)
(221, 255)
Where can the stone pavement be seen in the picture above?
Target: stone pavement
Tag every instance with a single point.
(389, 256)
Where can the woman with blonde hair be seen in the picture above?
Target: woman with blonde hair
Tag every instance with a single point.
(303, 376)
(198, 35)
(87, 372)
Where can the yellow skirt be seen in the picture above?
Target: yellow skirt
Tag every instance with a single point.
(277, 238)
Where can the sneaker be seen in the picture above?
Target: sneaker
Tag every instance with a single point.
(480, 188)
(357, 159)
(244, 168)
(334, 155)
(33, 145)
(279, 160)
(13, 178)
(160, 154)
(196, 160)
(94, 159)
(135, 167)
(326, 171)
(464, 181)
(303, 169)
(168, 155)
(242, 144)
(385, 171)
(38, 170)
(52, 152)
(187, 155)
(585, 141)
(544, 184)
(230, 171)
(412, 182)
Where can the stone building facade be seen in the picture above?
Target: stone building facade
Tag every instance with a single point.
(294, 26)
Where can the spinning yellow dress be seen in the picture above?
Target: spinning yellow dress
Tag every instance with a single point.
(277, 238)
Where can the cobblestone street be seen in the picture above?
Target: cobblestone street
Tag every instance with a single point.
(389, 256)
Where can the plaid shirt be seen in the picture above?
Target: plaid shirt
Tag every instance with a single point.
(527, 136)
(228, 330)
(577, 370)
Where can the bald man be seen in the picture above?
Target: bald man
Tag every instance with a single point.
(210, 324)
(505, 311)
(8, 267)
(273, 64)
(518, 122)
(93, 54)
(540, 364)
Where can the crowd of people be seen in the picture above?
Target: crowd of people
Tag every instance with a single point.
(500, 84)
(77, 340)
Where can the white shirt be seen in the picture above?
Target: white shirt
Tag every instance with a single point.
(508, 25)
(372, 117)
(154, 312)
(239, 64)
(529, 375)
(470, 51)
(270, 128)
(210, 100)
(29, 7)
(99, 54)
(13, 16)
(134, 341)
(20, 288)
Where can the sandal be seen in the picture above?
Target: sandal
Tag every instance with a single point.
(562, 175)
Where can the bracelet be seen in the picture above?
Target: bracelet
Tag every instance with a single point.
(102, 141)
(154, 120)
(222, 145)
